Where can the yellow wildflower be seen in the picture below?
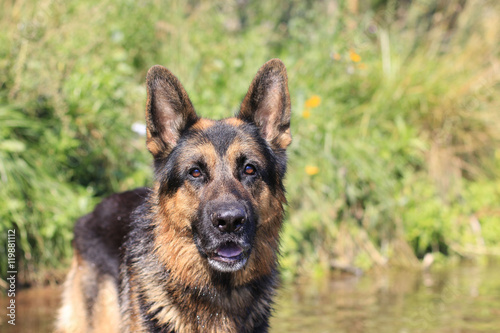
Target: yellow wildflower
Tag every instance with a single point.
(306, 113)
(311, 170)
(354, 56)
(313, 101)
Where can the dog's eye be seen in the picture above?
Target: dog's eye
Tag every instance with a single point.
(249, 170)
(195, 172)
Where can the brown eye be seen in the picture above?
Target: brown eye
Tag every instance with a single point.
(250, 170)
(195, 173)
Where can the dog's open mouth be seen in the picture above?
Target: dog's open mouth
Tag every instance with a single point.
(228, 252)
(228, 257)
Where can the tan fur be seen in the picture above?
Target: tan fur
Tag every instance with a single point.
(164, 278)
(132, 321)
(234, 121)
(106, 310)
(73, 317)
(269, 100)
(163, 94)
(178, 253)
(203, 123)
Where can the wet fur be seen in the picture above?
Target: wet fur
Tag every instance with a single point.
(144, 259)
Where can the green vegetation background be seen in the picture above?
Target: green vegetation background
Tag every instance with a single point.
(395, 118)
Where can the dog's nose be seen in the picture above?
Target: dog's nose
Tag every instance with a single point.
(229, 217)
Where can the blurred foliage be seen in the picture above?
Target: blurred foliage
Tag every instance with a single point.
(395, 117)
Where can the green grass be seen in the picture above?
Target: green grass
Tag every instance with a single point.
(400, 158)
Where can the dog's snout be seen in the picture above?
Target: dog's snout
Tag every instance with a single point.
(229, 217)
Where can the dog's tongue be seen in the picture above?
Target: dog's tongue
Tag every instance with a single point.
(229, 250)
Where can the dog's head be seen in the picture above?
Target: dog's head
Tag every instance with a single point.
(219, 183)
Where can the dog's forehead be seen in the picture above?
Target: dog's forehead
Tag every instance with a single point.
(225, 136)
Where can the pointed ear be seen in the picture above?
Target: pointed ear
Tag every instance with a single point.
(267, 104)
(168, 111)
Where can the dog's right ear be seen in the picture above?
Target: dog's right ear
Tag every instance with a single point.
(267, 104)
(168, 111)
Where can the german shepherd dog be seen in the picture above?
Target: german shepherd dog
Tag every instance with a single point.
(198, 251)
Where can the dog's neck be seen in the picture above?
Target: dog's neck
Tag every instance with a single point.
(231, 308)
(189, 296)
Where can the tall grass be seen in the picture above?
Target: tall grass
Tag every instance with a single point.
(395, 117)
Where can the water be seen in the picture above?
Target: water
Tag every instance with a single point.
(460, 300)
(35, 311)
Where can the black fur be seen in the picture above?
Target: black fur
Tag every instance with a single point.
(204, 240)
(100, 234)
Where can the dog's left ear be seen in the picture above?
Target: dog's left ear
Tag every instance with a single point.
(169, 111)
(267, 104)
